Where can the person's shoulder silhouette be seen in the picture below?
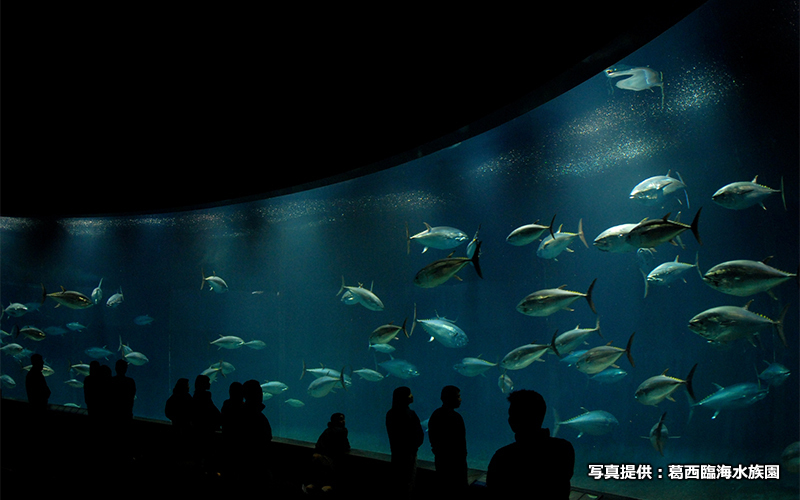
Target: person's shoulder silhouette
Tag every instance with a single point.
(535, 460)
(36, 386)
(179, 406)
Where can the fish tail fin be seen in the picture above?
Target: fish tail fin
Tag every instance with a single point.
(557, 422)
(476, 257)
(580, 233)
(408, 241)
(304, 370)
(689, 388)
(404, 328)
(694, 226)
(779, 325)
(341, 378)
(203, 281)
(597, 327)
(414, 321)
(646, 284)
(589, 296)
(553, 343)
(342, 288)
(552, 221)
(628, 350)
(44, 294)
(783, 195)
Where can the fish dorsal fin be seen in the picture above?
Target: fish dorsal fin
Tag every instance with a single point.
(755, 180)
(668, 172)
(676, 258)
(451, 254)
(609, 343)
(719, 387)
(665, 372)
(427, 226)
(746, 306)
(642, 221)
(64, 289)
(763, 262)
(562, 287)
(559, 228)
(666, 217)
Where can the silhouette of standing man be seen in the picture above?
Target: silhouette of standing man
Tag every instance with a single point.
(36, 386)
(123, 392)
(405, 438)
(535, 461)
(448, 438)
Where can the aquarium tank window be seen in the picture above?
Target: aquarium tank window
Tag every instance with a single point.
(638, 234)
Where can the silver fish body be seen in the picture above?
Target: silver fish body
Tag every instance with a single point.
(595, 423)
(360, 295)
(729, 323)
(568, 341)
(386, 333)
(660, 387)
(524, 355)
(668, 272)
(71, 299)
(529, 233)
(733, 397)
(599, 358)
(471, 367)
(446, 332)
(652, 232)
(614, 239)
(745, 277)
(741, 195)
(655, 190)
(555, 243)
(400, 368)
(441, 237)
(438, 272)
(548, 301)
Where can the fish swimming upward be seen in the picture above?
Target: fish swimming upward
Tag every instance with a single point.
(438, 272)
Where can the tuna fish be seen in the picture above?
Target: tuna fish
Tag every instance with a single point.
(228, 342)
(568, 341)
(369, 375)
(728, 323)
(97, 293)
(71, 299)
(774, 374)
(438, 272)
(523, 356)
(116, 300)
(441, 237)
(98, 352)
(668, 272)
(615, 239)
(599, 358)
(552, 246)
(546, 302)
(216, 283)
(15, 309)
(655, 190)
(386, 333)
(745, 277)
(594, 423)
(653, 232)
(471, 367)
(732, 397)
(529, 233)
(275, 387)
(659, 435)
(656, 389)
(30, 332)
(400, 368)
(445, 332)
(322, 386)
(741, 195)
(362, 296)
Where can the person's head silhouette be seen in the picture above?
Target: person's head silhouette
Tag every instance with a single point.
(202, 383)
(402, 397)
(121, 367)
(37, 362)
(451, 396)
(526, 411)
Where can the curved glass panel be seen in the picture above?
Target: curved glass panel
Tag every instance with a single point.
(704, 105)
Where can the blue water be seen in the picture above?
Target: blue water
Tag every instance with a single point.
(725, 119)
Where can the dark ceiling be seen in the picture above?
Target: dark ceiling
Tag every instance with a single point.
(110, 112)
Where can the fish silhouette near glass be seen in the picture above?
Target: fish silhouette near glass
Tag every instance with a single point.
(637, 78)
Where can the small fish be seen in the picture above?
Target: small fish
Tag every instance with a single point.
(136, 358)
(224, 366)
(216, 283)
(594, 423)
(653, 232)
(322, 386)
(505, 384)
(386, 333)
(116, 299)
(659, 435)
(228, 342)
(655, 190)
(274, 387)
(360, 295)
(445, 332)
(71, 299)
(75, 326)
(599, 358)
(609, 375)
(656, 389)
(400, 368)
(568, 341)
(384, 348)
(552, 245)
(471, 367)
(97, 293)
(327, 372)
(30, 332)
(74, 383)
(668, 272)
(529, 233)
(746, 277)
(614, 239)
(294, 403)
(728, 323)
(438, 272)
(369, 375)
(12, 349)
(523, 356)
(15, 309)
(441, 237)
(639, 78)
(774, 374)
(143, 320)
(7, 381)
(741, 195)
(546, 302)
(98, 352)
(81, 368)
(255, 344)
(732, 397)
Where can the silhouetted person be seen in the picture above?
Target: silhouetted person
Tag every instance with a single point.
(233, 440)
(535, 462)
(123, 394)
(448, 438)
(405, 437)
(206, 421)
(179, 410)
(90, 386)
(36, 386)
(257, 435)
(327, 463)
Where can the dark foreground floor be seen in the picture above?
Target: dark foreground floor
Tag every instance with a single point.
(63, 456)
